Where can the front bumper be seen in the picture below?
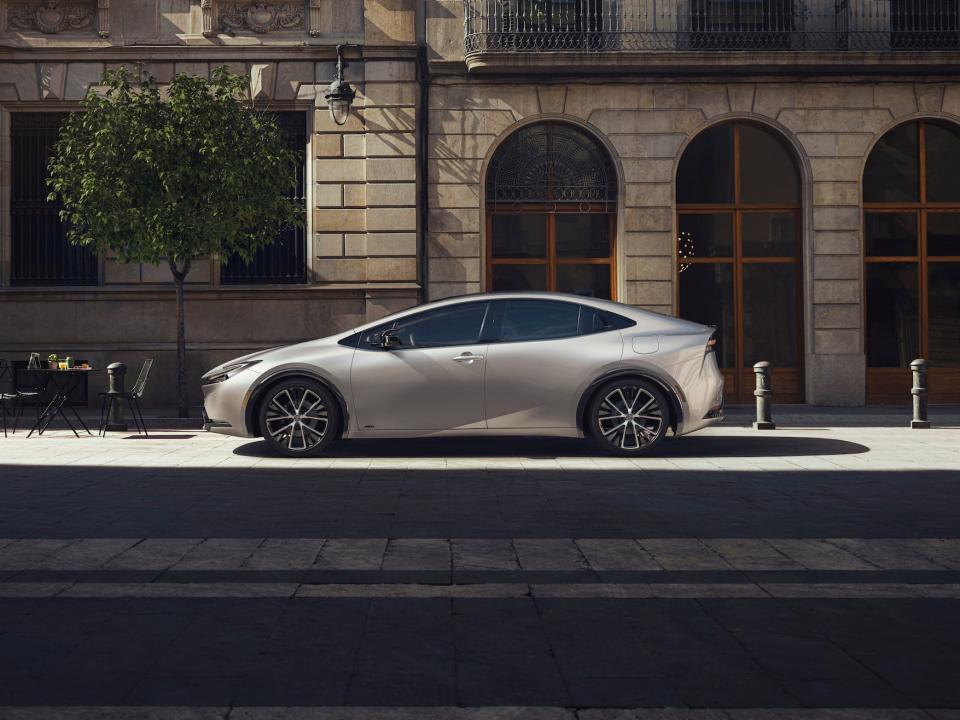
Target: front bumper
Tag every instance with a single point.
(224, 406)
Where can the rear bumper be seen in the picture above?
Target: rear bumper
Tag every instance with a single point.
(704, 395)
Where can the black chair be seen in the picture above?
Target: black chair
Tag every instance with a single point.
(31, 391)
(5, 397)
(107, 400)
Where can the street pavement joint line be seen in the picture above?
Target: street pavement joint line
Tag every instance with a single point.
(290, 590)
(502, 712)
(741, 554)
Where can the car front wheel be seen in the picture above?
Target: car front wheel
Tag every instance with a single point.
(299, 418)
(628, 416)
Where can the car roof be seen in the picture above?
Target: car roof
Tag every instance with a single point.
(657, 321)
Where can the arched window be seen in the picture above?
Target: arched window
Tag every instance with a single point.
(739, 259)
(551, 212)
(911, 220)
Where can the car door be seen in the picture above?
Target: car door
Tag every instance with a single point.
(546, 354)
(432, 380)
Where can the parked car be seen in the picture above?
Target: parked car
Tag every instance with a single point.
(524, 363)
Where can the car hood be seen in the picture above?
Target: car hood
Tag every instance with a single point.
(243, 358)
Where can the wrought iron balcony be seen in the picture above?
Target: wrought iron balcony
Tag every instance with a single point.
(531, 26)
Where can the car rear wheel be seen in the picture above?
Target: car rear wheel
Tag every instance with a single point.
(299, 418)
(628, 416)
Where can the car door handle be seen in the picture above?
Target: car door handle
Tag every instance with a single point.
(467, 358)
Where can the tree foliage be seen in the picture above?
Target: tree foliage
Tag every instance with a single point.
(173, 174)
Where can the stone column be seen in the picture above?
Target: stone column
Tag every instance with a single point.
(365, 190)
(103, 18)
(834, 123)
(208, 13)
(314, 19)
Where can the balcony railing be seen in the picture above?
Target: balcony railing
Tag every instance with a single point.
(510, 26)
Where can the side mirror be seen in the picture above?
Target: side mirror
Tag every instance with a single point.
(389, 339)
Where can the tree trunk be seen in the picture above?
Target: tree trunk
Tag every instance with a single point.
(179, 275)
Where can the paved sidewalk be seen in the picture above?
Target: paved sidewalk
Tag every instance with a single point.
(736, 416)
(737, 575)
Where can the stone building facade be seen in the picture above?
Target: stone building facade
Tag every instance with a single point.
(793, 188)
(360, 179)
(649, 98)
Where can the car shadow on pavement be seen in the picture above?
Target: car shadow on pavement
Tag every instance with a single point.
(546, 448)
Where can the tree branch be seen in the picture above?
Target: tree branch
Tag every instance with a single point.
(179, 274)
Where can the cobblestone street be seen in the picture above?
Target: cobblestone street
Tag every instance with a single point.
(735, 575)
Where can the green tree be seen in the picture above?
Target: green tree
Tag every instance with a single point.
(173, 175)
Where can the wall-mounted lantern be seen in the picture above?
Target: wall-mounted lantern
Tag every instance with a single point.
(340, 94)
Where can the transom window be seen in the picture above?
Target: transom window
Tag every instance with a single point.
(551, 213)
(738, 247)
(911, 203)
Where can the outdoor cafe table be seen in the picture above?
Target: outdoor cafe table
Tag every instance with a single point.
(63, 382)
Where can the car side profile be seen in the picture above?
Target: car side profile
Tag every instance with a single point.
(519, 363)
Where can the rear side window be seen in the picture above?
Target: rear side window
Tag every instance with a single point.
(539, 320)
(525, 320)
(594, 321)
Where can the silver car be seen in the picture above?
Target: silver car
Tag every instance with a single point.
(521, 363)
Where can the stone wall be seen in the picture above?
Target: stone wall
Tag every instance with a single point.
(831, 125)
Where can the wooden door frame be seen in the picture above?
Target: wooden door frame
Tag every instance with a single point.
(743, 376)
(885, 384)
(551, 261)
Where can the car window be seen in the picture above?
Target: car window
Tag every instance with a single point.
(457, 325)
(539, 320)
(593, 320)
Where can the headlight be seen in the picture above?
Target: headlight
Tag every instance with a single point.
(226, 372)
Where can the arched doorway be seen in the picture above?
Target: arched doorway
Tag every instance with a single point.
(551, 206)
(911, 221)
(739, 253)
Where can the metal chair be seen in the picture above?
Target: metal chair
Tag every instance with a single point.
(20, 393)
(5, 397)
(107, 400)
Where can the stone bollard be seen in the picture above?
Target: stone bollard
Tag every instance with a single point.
(763, 394)
(116, 376)
(919, 392)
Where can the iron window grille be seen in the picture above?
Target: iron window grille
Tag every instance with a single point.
(551, 162)
(511, 26)
(284, 261)
(40, 253)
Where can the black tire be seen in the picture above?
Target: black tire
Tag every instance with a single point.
(615, 420)
(299, 418)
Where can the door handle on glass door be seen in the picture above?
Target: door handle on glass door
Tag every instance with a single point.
(467, 358)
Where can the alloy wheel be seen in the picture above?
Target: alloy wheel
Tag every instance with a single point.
(297, 418)
(629, 416)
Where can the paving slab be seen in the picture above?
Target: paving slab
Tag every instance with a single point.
(484, 554)
(417, 554)
(152, 554)
(549, 554)
(351, 554)
(684, 554)
(616, 554)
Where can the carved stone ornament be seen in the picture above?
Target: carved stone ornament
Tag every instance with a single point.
(51, 16)
(103, 18)
(207, 13)
(315, 18)
(262, 17)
